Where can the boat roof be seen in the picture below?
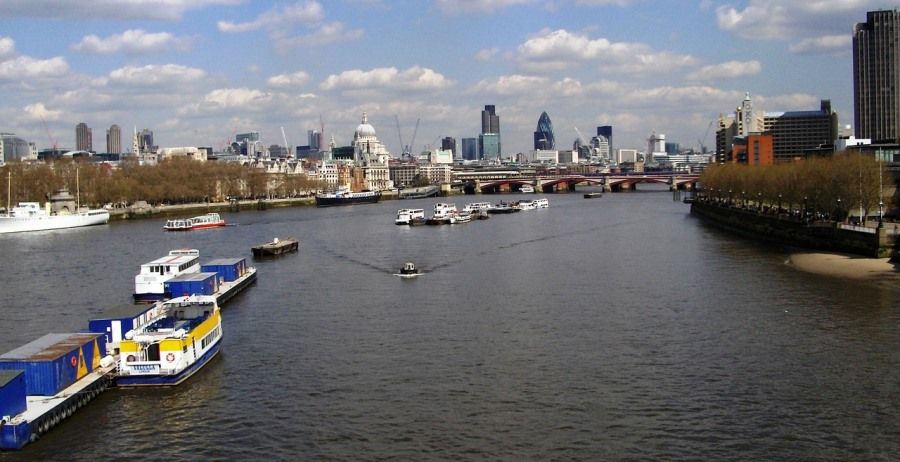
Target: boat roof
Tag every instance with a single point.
(192, 277)
(172, 260)
(49, 347)
(124, 311)
(230, 261)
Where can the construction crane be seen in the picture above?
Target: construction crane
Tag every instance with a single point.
(400, 135)
(415, 131)
(49, 136)
(702, 140)
(581, 138)
(286, 146)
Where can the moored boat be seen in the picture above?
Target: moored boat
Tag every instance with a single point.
(185, 336)
(407, 216)
(441, 213)
(210, 220)
(149, 284)
(343, 196)
(504, 208)
(276, 247)
(527, 205)
(462, 216)
(527, 189)
(542, 203)
(419, 192)
(29, 216)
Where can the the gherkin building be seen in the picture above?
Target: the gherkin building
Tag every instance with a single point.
(543, 136)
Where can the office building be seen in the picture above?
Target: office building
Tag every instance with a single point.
(490, 121)
(543, 135)
(83, 137)
(449, 144)
(114, 140)
(876, 77)
(489, 144)
(14, 148)
(606, 131)
(470, 149)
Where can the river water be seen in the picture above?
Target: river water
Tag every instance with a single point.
(618, 328)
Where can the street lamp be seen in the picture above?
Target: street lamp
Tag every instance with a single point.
(838, 215)
(805, 198)
(779, 202)
(880, 212)
(758, 203)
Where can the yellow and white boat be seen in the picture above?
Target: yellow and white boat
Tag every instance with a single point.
(184, 337)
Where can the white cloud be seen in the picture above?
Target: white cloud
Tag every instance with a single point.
(7, 47)
(785, 19)
(132, 41)
(24, 67)
(414, 78)
(561, 49)
(515, 84)
(604, 2)
(152, 75)
(726, 70)
(481, 6)
(38, 111)
(244, 98)
(300, 12)
(486, 54)
(325, 34)
(296, 79)
(825, 44)
(167, 10)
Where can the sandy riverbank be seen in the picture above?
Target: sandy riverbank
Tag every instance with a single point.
(846, 266)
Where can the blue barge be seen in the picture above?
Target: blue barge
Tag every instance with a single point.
(45, 381)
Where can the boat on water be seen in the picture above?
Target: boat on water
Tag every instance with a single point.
(407, 216)
(185, 336)
(276, 247)
(527, 205)
(419, 192)
(149, 284)
(409, 270)
(503, 207)
(210, 220)
(343, 196)
(593, 195)
(542, 203)
(527, 189)
(461, 217)
(478, 206)
(442, 213)
(29, 216)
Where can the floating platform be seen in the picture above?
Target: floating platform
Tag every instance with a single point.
(276, 247)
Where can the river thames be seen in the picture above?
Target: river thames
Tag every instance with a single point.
(618, 328)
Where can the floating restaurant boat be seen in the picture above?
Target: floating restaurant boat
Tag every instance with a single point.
(44, 382)
(29, 216)
(167, 351)
(210, 220)
(276, 247)
(408, 216)
(149, 284)
(442, 213)
(343, 196)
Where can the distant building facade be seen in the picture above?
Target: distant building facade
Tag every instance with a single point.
(470, 149)
(489, 139)
(607, 131)
(543, 135)
(114, 140)
(83, 137)
(876, 77)
(449, 144)
(14, 148)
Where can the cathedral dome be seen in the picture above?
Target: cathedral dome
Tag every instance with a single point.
(364, 129)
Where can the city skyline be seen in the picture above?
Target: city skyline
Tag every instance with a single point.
(197, 72)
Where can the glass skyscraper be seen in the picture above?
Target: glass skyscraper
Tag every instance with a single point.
(543, 135)
(876, 77)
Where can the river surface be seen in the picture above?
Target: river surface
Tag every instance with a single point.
(618, 328)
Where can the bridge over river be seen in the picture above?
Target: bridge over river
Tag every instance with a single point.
(556, 183)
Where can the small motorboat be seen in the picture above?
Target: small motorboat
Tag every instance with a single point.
(409, 270)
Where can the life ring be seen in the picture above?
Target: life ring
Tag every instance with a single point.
(170, 357)
(130, 358)
(74, 361)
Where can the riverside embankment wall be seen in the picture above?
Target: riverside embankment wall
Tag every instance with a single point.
(785, 231)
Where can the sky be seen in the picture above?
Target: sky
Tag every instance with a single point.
(198, 71)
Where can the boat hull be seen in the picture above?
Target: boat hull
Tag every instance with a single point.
(327, 201)
(47, 223)
(169, 380)
(272, 249)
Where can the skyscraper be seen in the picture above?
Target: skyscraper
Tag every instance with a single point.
(83, 137)
(543, 135)
(490, 131)
(606, 131)
(114, 140)
(876, 77)
(470, 149)
(449, 144)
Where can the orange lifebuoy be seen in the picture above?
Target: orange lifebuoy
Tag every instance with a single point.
(170, 357)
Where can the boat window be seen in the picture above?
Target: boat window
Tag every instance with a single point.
(153, 352)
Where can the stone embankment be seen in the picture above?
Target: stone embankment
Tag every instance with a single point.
(786, 230)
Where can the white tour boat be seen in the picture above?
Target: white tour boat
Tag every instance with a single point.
(527, 189)
(542, 203)
(184, 337)
(462, 216)
(407, 216)
(527, 205)
(29, 216)
(442, 213)
(149, 284)
(210, 220)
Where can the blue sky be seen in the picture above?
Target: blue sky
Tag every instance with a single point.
(197, 71)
